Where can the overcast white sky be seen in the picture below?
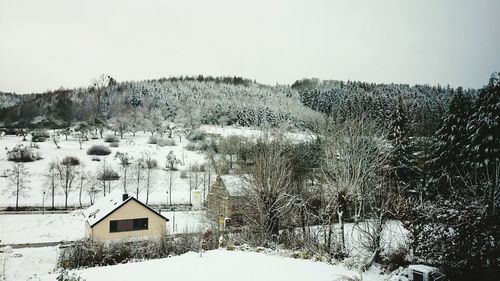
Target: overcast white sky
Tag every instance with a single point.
(53, 43)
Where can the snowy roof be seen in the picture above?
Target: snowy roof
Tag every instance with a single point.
(233, 184)
(108, 204)
(423, 268)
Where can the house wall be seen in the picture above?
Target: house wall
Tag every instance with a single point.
(219, 202)
(131, 210)
(88, 230)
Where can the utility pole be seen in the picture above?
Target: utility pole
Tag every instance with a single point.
(43, 203)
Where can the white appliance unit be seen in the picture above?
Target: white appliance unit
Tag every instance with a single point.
(419, 272)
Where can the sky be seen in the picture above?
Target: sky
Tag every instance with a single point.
(46, 45)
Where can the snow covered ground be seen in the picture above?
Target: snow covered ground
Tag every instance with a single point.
(38, 228)
(248, 132)
(29, 263)
(223, 265)
(135, 146)
(20, 229)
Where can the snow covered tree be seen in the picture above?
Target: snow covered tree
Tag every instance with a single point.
(19, 177)
(267, 185)
(402, 171)
(230, 146)
(354, 157)
(51, 176)
(150, 164)
(172, 160)
(484, 141)
(138, 167)
(449, 152)
(66, 173)
(124, 161)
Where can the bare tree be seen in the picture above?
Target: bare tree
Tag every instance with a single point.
(230, 147)
(51, 177)
(92, 189)
(99, 87)
(172, 160)
(354, 156)
(150, 164)
(195, 180)
(138, 175)
(67, 173)
(125, 161)
(84, 179)
(18, 176)
(267, 186)
(55, 139)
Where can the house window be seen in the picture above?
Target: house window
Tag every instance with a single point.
(128, 225)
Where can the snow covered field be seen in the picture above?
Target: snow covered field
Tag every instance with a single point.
(29, 263)
(38, 228)
(223, 265)
(19, 229)
(135, 146)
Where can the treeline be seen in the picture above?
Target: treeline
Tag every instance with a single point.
(231, 101)
(190, 100)
(426, 105)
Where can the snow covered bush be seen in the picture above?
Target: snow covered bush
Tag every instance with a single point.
(111, 139)
(65, 276)
(166, 142)
(87, 253)
(196, 135)
(70, 161)
(153, 140)
(396, 258)
(39, 135)
(22, 153)
(114, 144)
(201, 145)
(99, 150)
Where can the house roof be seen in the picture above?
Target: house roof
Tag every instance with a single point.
(234, 184)
(108, 204)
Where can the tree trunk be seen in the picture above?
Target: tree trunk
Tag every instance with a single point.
(17, 191)
(341, 231)
(80, 195)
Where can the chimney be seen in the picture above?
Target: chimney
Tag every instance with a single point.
(124, 196)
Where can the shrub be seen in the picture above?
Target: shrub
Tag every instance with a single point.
(153, 140)
(22, 153)
(196, 135)
(396, 258)
(201, 146)
(65, 276)
(184, 175)
(111, 139)
(166, 142)
(94, 137)
(114, 144)
(70, 161)
(99, 150)
(190, 146)
(39, 136)
(87, 253)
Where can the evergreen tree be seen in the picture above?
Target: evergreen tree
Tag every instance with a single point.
(402, 170)
(484, 141)
(449, 156)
